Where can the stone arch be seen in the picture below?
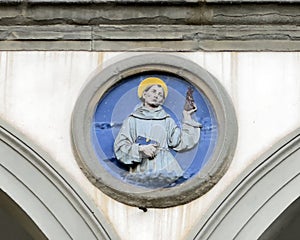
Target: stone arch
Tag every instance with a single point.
(45, 193)
(258, 197)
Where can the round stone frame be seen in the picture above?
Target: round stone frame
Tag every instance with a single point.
(132, 195)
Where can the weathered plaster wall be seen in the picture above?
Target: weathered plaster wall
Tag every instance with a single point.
(38, 91)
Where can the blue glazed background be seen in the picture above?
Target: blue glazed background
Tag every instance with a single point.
(122, 99)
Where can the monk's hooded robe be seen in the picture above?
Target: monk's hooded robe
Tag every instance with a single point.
(145, 126)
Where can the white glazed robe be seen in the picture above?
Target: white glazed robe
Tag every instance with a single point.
(154, 126)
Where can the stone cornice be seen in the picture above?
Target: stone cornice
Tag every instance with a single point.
(178, 25)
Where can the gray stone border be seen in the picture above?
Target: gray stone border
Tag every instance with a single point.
(140, 197)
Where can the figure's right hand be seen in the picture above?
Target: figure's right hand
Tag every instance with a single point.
(148, 150)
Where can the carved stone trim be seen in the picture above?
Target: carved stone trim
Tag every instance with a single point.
(257, 197)
(133, 25)
(44, 191)
(151, 38)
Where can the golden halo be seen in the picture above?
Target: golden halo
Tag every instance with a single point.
(147, 82)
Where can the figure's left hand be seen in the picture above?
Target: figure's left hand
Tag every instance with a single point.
(148, 150)
(187, 115)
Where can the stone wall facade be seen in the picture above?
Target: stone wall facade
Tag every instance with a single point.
(50, 49)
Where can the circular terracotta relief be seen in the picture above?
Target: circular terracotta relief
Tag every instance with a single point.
(154, 130)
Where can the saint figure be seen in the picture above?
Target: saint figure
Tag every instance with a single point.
(148, 134)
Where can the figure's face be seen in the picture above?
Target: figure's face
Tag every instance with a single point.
(154, 96)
